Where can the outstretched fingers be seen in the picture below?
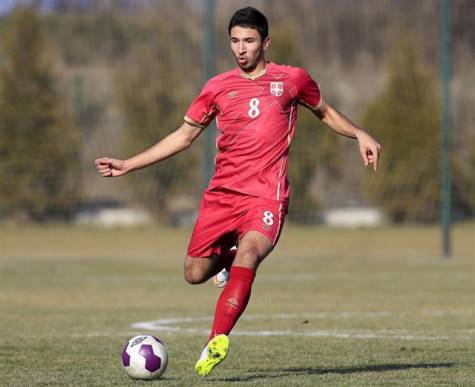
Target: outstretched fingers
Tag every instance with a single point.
(376, 153)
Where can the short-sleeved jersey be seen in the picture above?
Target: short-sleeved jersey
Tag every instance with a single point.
(256, 121)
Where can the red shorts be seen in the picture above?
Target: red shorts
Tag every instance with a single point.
(225, 216)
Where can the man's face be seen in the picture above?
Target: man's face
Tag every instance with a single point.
(248, 47)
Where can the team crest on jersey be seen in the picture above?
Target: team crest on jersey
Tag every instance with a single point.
(277, 88)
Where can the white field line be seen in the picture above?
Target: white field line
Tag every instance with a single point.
(169, 325)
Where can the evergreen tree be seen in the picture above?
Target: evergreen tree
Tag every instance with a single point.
(313, 145)
(406, 117)
(153, 96)
(38, 147)
(463, 184)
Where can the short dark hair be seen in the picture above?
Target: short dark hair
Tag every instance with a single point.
(250, 18)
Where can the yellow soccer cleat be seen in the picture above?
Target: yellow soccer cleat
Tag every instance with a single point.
(213, 354)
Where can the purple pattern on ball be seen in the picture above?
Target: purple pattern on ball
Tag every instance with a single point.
(152, 361)
(158, 340)
(125, 357)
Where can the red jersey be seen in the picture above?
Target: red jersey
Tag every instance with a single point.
(256, 120)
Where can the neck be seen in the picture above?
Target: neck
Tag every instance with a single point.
(256, 71)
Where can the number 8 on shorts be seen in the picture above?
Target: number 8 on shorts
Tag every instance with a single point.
(268, 218)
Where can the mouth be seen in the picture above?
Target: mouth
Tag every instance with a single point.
(242, 61)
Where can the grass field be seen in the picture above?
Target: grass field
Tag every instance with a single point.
(361, 307)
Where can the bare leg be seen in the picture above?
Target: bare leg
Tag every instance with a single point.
(252, 250)
(199, 270)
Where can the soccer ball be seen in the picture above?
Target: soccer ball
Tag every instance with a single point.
(144, 357)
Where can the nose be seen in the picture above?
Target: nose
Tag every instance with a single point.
(241, 48)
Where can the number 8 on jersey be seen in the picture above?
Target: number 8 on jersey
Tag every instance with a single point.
(254, 111)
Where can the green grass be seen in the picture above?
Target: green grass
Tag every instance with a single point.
(388, 308)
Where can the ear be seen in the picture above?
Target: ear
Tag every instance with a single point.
(266, 43)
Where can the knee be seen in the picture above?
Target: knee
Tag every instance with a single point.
(192, 276)
(248, 258)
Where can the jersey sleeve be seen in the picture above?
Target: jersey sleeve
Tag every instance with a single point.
(203, 109)
(309, 93)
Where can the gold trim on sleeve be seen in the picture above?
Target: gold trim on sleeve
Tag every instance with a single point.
(308, 106)
(192, 122)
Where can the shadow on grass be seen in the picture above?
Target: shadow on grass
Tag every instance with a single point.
(270, 374)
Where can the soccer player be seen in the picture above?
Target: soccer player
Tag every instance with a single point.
(242, 211)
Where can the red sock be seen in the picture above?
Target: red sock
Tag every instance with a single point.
(233, 300)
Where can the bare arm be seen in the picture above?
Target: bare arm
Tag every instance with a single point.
(370, 149)
(174, 143)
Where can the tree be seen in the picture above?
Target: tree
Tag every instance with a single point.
(463, 187)
(152, 97)
(407, 118)
(313, 146)
(38, 145)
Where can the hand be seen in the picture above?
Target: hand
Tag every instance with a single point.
(370, 150)
(110, 167)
